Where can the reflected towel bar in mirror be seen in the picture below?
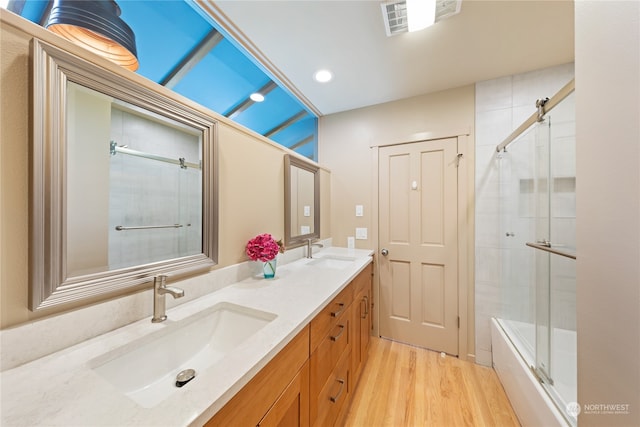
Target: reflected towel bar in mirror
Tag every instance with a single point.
(181, 161)
(146, 227)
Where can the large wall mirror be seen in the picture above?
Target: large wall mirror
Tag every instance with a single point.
(302, 201)
(123, 183)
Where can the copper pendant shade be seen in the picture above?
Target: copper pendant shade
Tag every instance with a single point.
(96, 26)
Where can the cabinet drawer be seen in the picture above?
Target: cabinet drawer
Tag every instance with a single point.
(329, 351)
(327, 318)
(334, 394)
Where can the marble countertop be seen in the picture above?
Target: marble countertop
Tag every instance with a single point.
(62, 389)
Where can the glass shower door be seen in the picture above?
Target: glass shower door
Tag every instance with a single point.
(555, 277)
(517, 225)
(562, 357)
(537, 233)
(542, 236)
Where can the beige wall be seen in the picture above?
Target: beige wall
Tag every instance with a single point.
(251, 174)
(88, 184)
(608, 210)
(14, 174)
(345, 141)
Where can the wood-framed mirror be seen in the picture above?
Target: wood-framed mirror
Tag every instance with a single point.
(302, 201)
(123, 183)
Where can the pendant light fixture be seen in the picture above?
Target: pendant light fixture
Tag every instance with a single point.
(96, 26)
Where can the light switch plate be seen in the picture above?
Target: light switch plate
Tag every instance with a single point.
(359, 210)
(361, 233)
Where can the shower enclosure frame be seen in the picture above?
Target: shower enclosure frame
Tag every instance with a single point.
(539, 357)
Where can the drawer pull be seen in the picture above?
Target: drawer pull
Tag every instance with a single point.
(366, 307)
(339, 312)
(335, 398)
(335, 338)
(363, 313)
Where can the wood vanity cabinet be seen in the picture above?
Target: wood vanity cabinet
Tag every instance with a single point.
(340, 337)
(278, 395)
(330, 348)
(310, 381)
(292, 407)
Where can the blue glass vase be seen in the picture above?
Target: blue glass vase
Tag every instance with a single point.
(269, 268)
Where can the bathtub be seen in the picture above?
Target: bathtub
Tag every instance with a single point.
(529, 399)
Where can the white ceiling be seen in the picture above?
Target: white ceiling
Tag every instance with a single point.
(487, 39)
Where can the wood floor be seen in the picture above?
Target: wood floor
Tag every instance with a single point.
(407, 386)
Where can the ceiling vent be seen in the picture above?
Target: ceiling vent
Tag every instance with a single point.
(394, 14)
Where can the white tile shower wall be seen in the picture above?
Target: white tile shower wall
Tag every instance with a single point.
(148, 192)
(36, 339)
(501, 105)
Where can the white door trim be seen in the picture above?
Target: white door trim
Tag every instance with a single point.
(423, 136)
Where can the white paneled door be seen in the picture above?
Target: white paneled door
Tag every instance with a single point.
(418, 235)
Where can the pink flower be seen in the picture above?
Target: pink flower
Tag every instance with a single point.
(263, 247)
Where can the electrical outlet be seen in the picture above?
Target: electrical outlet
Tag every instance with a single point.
(351, 242)
(361, 233)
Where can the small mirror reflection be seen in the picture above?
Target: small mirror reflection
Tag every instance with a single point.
(302, 201)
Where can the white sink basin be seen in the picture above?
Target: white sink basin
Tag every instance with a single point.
(146, 369)
(332, 261)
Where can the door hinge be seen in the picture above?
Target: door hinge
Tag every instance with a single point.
(458, 322)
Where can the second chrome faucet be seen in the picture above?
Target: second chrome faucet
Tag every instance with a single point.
(310, 246)
(160, 288)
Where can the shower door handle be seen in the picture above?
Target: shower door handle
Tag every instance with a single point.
(544, 242)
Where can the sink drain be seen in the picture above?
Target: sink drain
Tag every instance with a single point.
(184, 377)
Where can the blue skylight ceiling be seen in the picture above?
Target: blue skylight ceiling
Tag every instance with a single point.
(165, 31)
(221, 79)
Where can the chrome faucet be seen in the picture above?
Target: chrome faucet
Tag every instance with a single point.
(310, 245)
(160, 288)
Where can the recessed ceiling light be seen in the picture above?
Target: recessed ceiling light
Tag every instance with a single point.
(323, 76)
(256, 97)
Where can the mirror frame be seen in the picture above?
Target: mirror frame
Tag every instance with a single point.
(49, 284)
(292, 241)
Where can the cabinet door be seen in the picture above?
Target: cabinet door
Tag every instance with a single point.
(362, 332)
(356, 353)
(255, 399)
(292, 407)
(365, 324)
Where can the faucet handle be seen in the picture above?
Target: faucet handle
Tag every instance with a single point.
(160, 281)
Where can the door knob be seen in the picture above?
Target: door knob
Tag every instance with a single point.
(384, 252)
